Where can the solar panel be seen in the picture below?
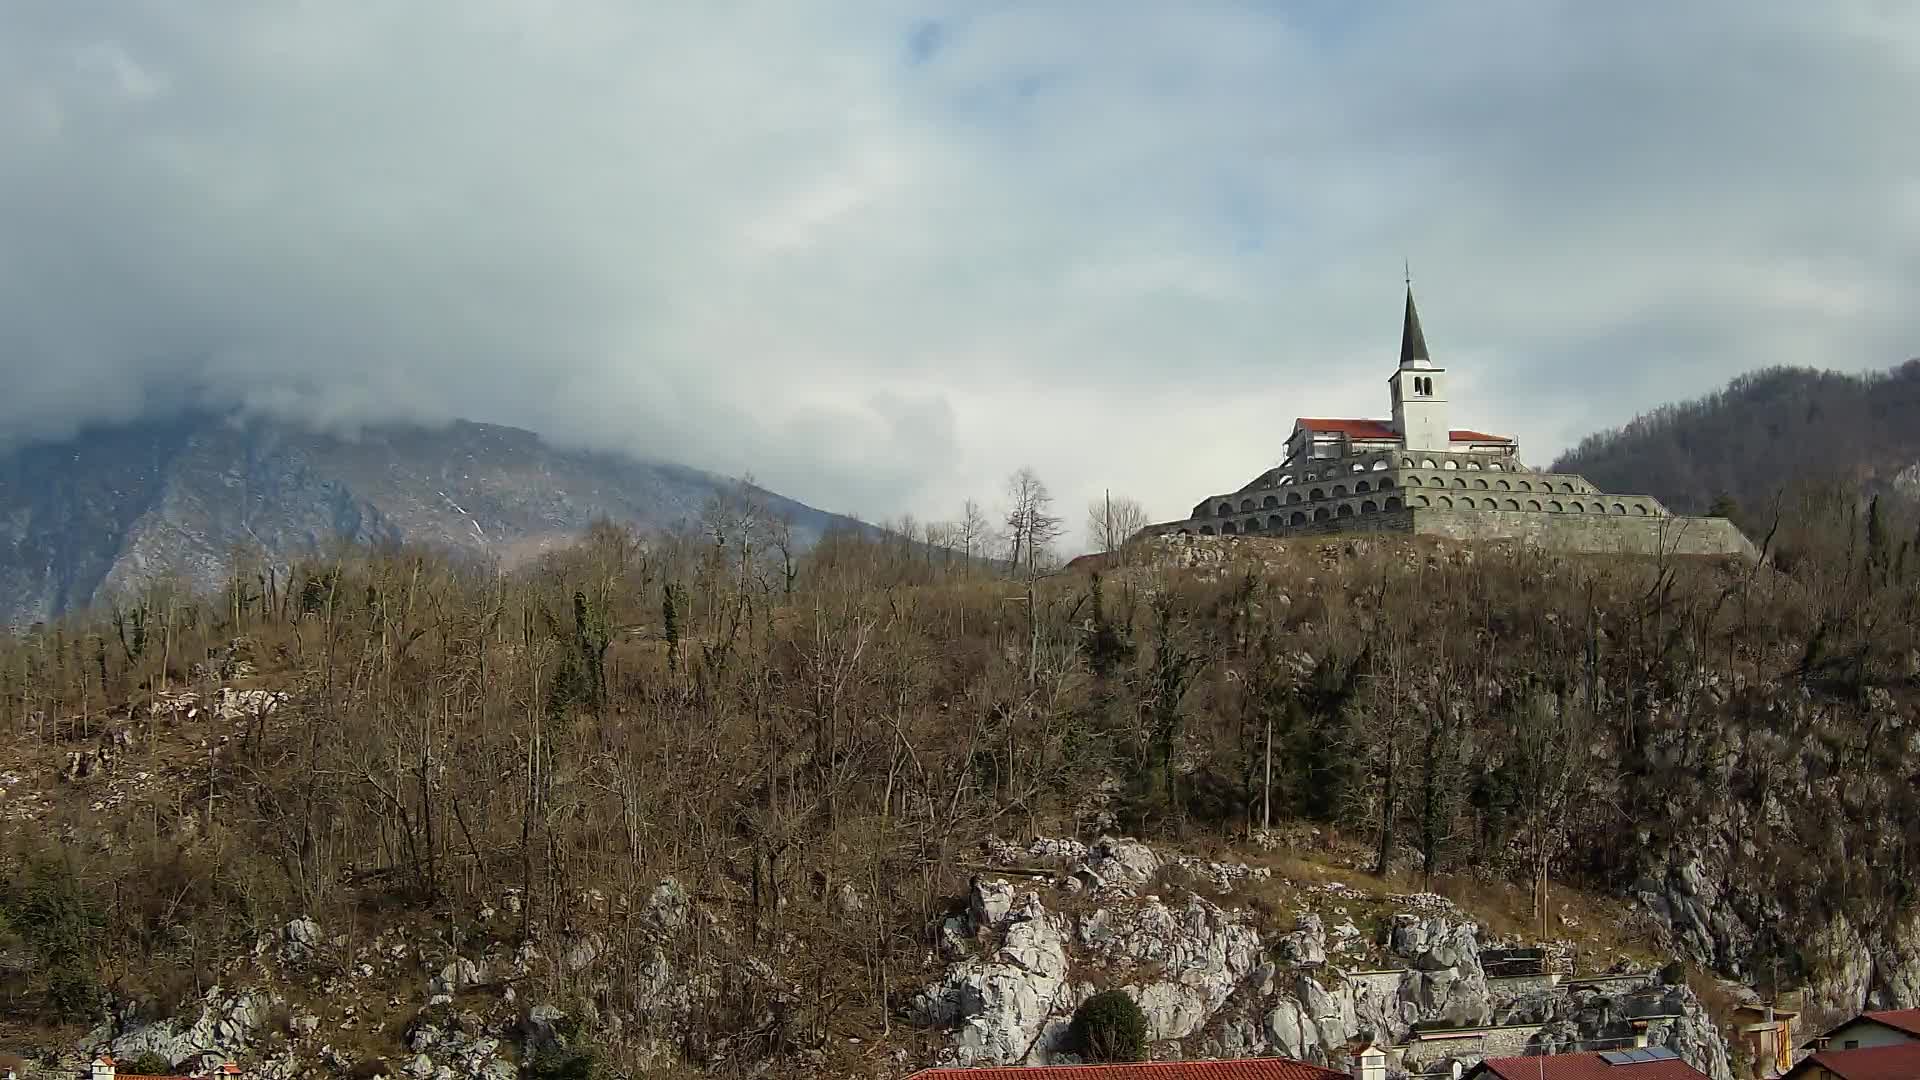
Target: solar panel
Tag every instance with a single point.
(1660, 1053)
(1616, 1057)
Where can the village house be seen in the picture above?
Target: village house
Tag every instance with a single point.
(105, 1068)
(1887, 1027)
(1639, 1063)
(1369, 1063)
(1886, 1061)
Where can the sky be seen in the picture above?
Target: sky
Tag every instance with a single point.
(880, 254)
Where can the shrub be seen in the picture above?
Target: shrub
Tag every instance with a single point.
(554, 1063)
(149, 1064)
(1110, 1027)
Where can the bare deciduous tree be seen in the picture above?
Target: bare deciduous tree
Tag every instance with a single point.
(1112, 521)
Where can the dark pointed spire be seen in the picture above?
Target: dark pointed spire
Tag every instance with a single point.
(1413, 343)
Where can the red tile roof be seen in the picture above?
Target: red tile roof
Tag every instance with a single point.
(1463, 435)
(1586, 1067)
(1900, 1061)
(1240, 1069)
(1907, 1020)
(1383, 429)
(1353, 429)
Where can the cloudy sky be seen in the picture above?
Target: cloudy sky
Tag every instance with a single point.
(880, 253)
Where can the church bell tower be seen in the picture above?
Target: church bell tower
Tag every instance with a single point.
(1419, 390)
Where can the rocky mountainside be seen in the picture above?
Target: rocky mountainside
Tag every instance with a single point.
(113, 507)
(660, 809)
(1766, 431)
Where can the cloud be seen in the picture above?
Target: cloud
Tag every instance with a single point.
(881, 253)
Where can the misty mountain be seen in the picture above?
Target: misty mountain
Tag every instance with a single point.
(1765, 432)
(113, 506)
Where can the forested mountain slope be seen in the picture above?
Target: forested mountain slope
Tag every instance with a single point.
(1764, 434)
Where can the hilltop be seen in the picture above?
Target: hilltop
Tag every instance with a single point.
(651, 803)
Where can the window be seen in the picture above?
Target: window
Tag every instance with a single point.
(1269, 502)
(1850, 1044)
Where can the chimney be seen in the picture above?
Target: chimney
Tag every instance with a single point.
(102, 1068)
(1369, 1062)
(1639, 1034)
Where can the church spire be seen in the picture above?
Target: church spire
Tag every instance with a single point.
(1413, 343)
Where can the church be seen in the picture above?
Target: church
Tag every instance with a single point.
(1413, 472)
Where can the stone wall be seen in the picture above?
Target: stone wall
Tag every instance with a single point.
(1589, 533)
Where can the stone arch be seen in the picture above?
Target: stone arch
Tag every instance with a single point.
(1526, 485)
(1427, 463)
(1480, 483)
(1339, 490)
(1510, 505)
(1299, 517)
(1496, 466)
(1321, 514)
(1566, 487)
(1345, 511)
(1533, 504)
(1393, 502)
(1408, 463)
(1228, 528)
(1357, 467)
(1620, 508)
(1413, 481)
(1640, 508)
(1246, 504)
(1554, 505)
(1183, 532)
(1449, 464)
(1474, 465)
(1292, 497)
(1446, 503)
(1386, 482)
(1503, 484)
(1206, 530)
(1422, 500)
(1275, 521)
(1465, 502)
(1252, 525)
(1270, 502)
(1380, 465)
(1362, 487)
(1225, 509)
(1369, 507)
(1459, 481)
(1317, 493)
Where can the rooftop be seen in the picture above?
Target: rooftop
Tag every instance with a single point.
(1357, 428)
(1648, 1063)
(1907, 1020)
(1900, 1061)
(1240, 1069)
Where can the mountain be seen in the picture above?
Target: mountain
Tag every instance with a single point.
(1765, 431)
(117, 505)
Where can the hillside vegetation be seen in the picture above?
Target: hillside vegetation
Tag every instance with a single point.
(1763, 434)
(815, 749)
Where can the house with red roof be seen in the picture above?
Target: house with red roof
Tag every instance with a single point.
(1640, 1063)
(105, 1068)
(1414, 472)
(1885, 1061)
(1886, 1027)
(1369, 1063)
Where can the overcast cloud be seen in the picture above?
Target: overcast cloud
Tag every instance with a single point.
(880, 253)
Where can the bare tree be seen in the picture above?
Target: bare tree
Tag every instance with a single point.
(1031, 526)
(972, 529)
(1111, 522)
